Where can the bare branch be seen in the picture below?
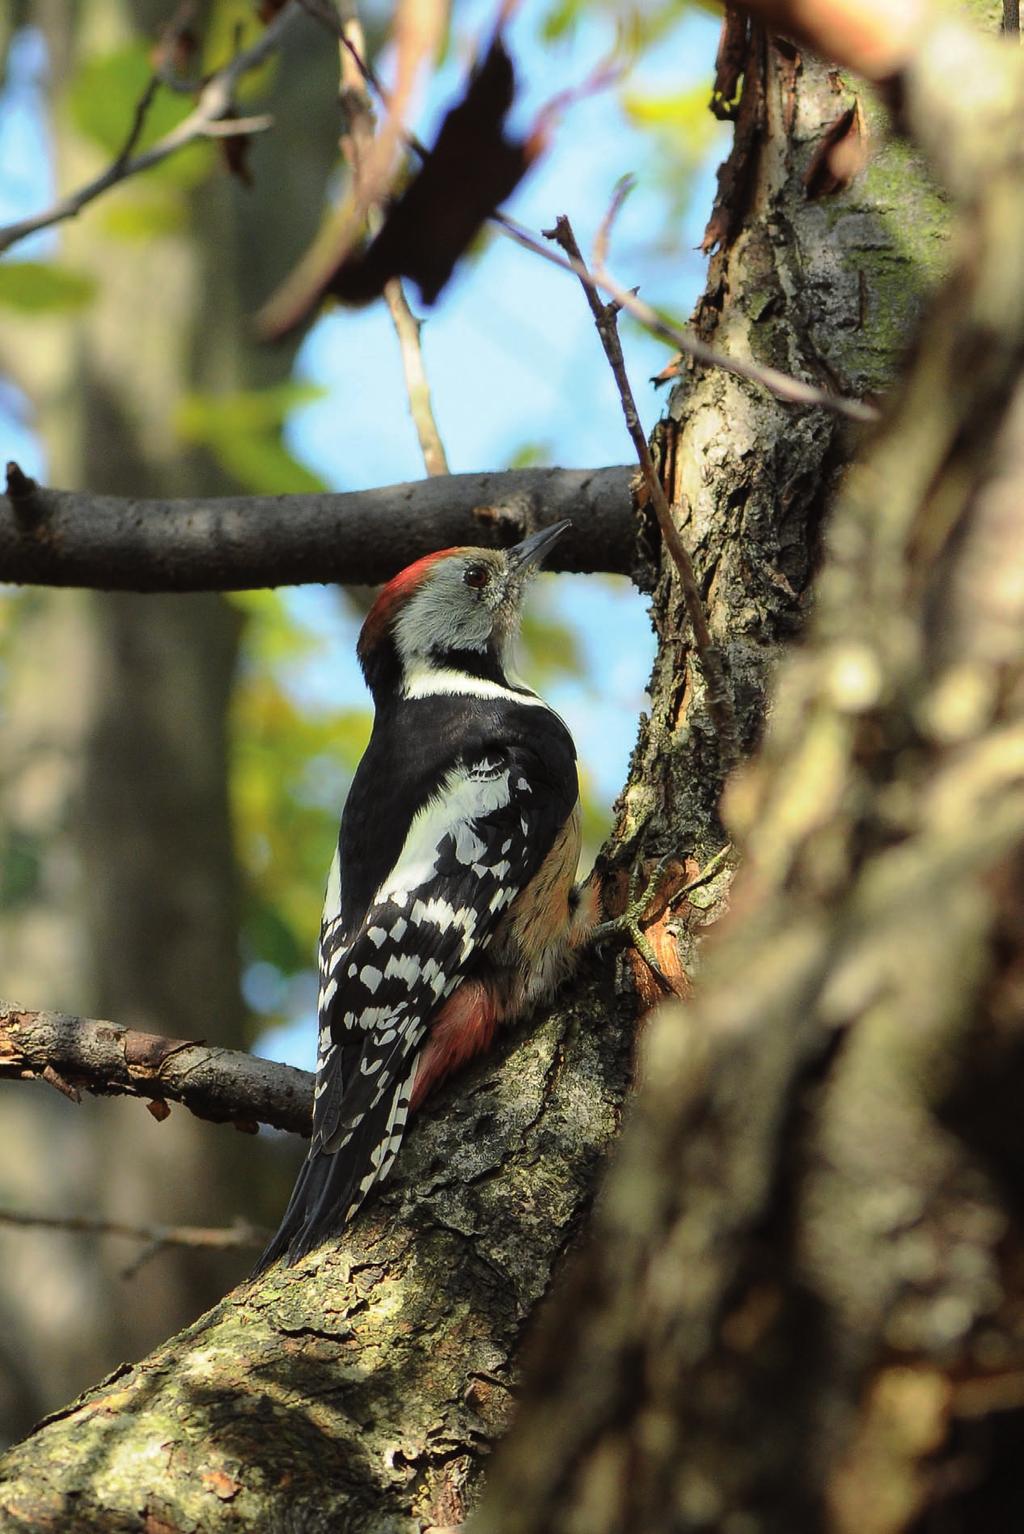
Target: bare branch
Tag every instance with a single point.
(719, 699)
(211, 118)
(792, 391)
(357, 144)
(417, 385)
(156, 1238)
(78, 1054)
(235, 543)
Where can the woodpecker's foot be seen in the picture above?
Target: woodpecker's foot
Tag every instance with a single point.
(627, 928)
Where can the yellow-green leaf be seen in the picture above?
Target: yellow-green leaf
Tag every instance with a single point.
(35, 286)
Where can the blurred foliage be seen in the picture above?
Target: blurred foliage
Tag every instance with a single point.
(243, 431)
(641, 24)
(37, 286)
(291, 765)
(679, 129)
(682, 132)
(102, 99)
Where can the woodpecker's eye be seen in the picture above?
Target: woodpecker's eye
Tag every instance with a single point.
(477, 576)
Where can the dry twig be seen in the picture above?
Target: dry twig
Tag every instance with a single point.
(708, 654)
(357, 145)
(156, 1238)
(211, 118)
(792, 391)
(76, 1054)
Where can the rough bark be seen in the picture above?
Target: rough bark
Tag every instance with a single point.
(80, 1054)
(364, 1388)
(231, 543)
(799, 1309)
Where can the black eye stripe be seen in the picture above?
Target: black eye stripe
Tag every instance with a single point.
(477, 576)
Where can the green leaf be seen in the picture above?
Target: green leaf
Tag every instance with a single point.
(144, 218)
(204, 417)
(103, 97)
(36, 286)
(685, 112)
(243, 431)
(105, 92)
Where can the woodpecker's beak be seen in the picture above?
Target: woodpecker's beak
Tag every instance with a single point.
(533, 549)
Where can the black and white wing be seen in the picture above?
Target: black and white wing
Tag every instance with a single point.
(468, 851)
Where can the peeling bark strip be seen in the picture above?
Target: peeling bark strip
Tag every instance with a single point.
(236, 543)
(78, 1054)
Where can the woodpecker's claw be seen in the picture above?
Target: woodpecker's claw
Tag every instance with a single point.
(627, 928)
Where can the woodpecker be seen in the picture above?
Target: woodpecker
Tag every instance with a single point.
(452, 905)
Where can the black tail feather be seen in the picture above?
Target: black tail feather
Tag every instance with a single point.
(316, 1210)
(330, 1185)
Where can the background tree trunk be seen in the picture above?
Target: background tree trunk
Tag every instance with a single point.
(115, 782)
(364, 1387)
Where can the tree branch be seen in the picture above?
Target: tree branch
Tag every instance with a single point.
(76, 1054)
(235, 543)
(357, 146)
(605, 319)
(211, 118)
(154, 1238)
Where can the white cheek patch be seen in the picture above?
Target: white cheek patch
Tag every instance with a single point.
(442, 615)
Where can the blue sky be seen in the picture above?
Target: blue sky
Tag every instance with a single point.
(513, 359)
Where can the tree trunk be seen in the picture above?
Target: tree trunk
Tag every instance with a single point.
(364, 1388)
(799, 1309)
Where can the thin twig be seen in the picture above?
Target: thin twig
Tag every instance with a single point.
(708, 654)
(623, 187)
(793, 391)
(142, 107)
(357, 144)
(417, 385)
(210, 119)
(239, 1236)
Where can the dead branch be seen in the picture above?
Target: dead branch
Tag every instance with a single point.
(708, 654)
(236, 543)
(357, 145)
(794, 391)
(80, 1054)
(211, 118)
